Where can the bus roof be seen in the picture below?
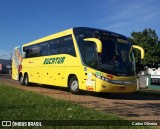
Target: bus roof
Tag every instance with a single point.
(95, 29)
(67, 32)
(49, 37)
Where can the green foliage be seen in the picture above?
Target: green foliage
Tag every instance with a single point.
(147, 39)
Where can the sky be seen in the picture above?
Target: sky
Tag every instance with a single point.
(22, 21)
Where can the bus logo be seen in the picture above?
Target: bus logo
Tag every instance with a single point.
(57, 60)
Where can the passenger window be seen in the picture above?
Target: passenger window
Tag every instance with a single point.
(44, 49)
(67, 46)
(54, 47)
(34, 51)
(27, 50)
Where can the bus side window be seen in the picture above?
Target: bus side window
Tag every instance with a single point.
(54, 46)
(43, 49)
(27, 50)
(67, 46)
(90, 54)
(34, 51)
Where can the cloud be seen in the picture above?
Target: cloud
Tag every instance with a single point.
(124, 14)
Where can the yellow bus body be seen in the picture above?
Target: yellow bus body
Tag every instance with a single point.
(58, 72)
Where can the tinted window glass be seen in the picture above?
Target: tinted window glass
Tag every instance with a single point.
(34, 51)
(67, 46)
(27, 50)
(62, 45)
(87, 49)
(44, 49)
(54, 46)
(90, 54)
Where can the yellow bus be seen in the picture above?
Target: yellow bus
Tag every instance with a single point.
(80, 58)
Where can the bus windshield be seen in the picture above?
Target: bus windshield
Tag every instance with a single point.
(117, 57)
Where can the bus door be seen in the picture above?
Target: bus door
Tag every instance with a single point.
(89, 79)
(89, 56)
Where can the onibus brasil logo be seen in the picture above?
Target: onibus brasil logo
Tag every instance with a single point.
(21, 123)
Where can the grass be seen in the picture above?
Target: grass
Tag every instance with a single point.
(16, 104)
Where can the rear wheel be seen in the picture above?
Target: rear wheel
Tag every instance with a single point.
(74, 85)
(26, 80)
(21, 80)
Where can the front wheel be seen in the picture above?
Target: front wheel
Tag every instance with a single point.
(74, 85)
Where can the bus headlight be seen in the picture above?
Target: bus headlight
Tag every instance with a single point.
(118, 82)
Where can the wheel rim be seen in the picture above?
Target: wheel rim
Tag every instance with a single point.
(26, 80)
(74, 85)
(21, 80)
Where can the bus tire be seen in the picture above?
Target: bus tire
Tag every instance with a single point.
(26, 80)
(21, 80)
(74, 85)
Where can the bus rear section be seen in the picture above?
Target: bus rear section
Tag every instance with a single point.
(16, 62)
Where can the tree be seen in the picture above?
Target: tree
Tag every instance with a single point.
(148, 40)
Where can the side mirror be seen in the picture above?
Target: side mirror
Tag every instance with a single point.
(98, 43)
(140, 49)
